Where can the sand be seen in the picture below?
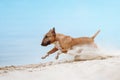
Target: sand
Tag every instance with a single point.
(84, 67)
(106, 69)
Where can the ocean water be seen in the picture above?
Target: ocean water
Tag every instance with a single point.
(19, 52)
(20, 46)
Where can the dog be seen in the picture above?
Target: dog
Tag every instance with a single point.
(64, 43)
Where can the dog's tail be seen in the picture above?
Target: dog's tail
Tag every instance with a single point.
(93, 37)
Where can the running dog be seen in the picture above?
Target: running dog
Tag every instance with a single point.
(64, 42)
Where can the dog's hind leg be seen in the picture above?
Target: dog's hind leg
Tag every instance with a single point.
(50, 52)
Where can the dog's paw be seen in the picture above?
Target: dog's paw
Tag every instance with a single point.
(43, 57)
(56, 57)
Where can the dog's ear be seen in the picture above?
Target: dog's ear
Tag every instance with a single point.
(53, 30)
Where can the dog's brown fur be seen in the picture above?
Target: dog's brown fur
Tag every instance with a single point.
(64, 43)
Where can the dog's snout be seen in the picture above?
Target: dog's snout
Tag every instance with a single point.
(41, 44)
(45, 43)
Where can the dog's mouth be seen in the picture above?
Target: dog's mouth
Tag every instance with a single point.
(45, 44)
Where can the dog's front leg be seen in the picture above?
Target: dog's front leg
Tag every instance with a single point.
(50, 52)
(61, 51)
(58, 55)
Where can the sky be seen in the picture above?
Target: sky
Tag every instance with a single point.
(23, 24)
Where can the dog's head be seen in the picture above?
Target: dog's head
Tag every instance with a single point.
(49, 37)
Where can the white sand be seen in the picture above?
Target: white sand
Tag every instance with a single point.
(96, 69)
(107, 69)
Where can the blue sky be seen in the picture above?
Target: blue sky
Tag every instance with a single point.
(24, 22)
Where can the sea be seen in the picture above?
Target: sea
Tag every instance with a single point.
(19, 47)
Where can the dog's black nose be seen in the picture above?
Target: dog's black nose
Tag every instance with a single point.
(41, 44)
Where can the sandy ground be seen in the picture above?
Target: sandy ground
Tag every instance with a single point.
(106, 69)
(91, 66)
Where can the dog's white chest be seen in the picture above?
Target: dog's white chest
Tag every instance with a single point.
(57, 45)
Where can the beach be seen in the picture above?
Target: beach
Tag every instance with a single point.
(96, 69)
(34, 32)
